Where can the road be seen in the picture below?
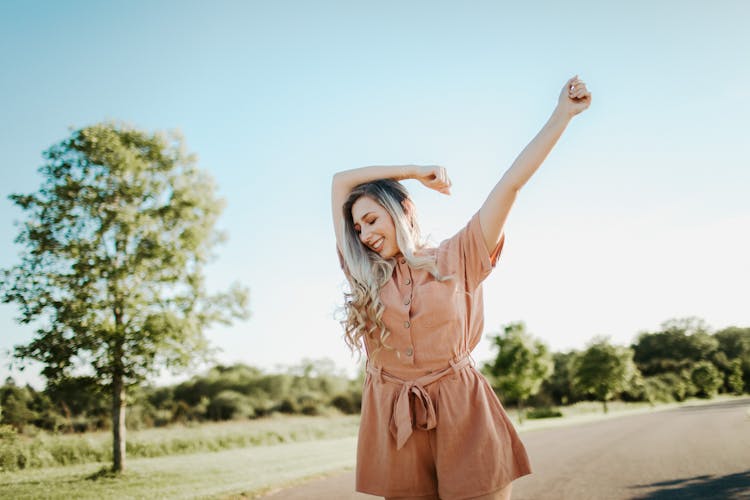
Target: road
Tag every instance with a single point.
(694, 452)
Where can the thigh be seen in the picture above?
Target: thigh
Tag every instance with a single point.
(501, 494)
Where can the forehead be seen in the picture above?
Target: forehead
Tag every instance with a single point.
(363, 205)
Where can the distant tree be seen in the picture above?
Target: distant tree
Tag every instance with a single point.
(603, 370)
(734, 342)
(559, 385)
(115, 244)
(79, 396)
(678, 345)
(707, 379)
(16, 402)
(735, 383)
(521, 365)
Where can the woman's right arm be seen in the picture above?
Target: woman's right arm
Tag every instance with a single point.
(433, 176)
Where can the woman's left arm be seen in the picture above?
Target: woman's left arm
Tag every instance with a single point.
(574, 98)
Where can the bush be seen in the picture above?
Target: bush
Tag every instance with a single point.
(664, 388)
(288, 405)
(11, 455)
(229, 404)
(707, 379)
(543, 413)
(348, 403)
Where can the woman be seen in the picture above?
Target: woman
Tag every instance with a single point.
(431, 425)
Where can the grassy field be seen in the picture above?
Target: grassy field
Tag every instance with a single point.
(244, 472)
(239, 473)
(45, 450)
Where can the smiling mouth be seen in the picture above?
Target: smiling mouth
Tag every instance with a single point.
(378, 245)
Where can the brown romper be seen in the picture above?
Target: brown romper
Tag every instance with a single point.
(431, 423)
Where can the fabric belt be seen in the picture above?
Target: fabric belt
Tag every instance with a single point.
(421, 414)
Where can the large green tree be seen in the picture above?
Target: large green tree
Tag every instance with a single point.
(521, 365)
(114, 247)
(603, 370)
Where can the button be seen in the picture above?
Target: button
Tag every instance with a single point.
(407, 324)
(403, 261)
(407, 301)
(408, 281)
(409, 351)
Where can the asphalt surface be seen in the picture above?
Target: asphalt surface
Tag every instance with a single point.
(698, 452)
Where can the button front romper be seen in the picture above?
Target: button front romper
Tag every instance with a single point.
(431, 423)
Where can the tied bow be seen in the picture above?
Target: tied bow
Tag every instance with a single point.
(413, 409)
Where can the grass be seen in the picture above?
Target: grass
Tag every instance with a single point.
(246, 473)
(45, 450)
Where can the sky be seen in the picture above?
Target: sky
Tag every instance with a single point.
(640, 214)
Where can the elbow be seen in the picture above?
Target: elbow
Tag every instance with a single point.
(339, 177)
(509, 186)
(336, 179)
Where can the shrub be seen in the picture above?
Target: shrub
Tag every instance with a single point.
(706, 378)
(543, 413)
(229, 404)
(11, 456)
(348, 403)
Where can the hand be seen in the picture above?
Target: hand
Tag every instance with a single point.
(434, 177)
(574, 97)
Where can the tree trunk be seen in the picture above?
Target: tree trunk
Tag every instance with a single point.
(604, 402)
(520, 411)
(118, 424)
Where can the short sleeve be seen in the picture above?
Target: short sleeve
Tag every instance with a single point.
(467, 250)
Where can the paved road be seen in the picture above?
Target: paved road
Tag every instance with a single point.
(699, 452)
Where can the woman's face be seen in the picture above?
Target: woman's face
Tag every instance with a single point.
(375, 227)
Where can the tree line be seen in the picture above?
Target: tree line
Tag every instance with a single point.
(682, 359)
(239, 391)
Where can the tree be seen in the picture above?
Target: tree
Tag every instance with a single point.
(735, 384)
(521, 365)
(115, 244)
(677, 346)
(734, 342)
(603, 370)
(558, 386)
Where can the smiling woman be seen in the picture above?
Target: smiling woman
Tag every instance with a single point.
(375, 227)
(431, 425)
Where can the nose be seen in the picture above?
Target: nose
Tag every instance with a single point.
(364, 236)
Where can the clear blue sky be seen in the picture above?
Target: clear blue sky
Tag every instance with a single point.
(640, 214)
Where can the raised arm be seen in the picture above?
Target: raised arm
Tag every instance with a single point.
(431, 176)
(574, 98)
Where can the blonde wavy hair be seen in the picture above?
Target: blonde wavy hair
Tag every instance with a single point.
(367, 271)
